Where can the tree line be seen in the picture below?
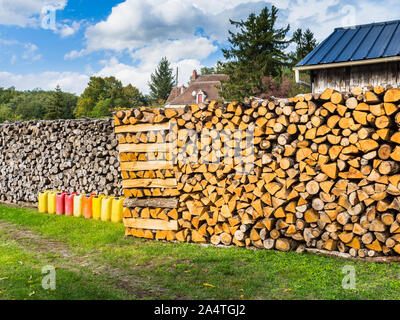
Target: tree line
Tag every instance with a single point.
(256, 61)
(36, 104)
(100, 98)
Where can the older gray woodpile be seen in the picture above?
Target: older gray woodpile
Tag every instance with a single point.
(67, 155)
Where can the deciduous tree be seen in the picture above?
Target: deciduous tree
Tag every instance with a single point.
(103, 95)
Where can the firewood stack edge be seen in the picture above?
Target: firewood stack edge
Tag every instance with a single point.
(321, 171)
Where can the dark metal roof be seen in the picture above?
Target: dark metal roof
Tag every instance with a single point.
(369, 41)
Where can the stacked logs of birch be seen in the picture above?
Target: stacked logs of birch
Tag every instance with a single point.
(66, 155)
(322, 172)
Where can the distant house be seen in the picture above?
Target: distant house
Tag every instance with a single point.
(357, 56)
(201, 89)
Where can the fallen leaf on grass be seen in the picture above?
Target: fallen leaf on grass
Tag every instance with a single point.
(208, 285)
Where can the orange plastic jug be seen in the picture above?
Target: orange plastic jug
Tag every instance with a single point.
(87, 206)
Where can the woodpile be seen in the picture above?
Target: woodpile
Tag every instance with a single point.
(65, 155)
(322, 172)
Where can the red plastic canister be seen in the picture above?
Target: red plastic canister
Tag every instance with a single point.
(60, 203)
(87, 210)
(69, 204)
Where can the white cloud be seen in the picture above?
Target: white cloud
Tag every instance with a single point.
(193, 48)
(186, 68)
(135, 23)
(323, 16)
(7, 42)
(74, 54)
(371, 11)
(316, 9)
(66, 30)
(30, 52)
(217, 7)
(186, 55)
(183, 53)
(68, 81)
(24, 13)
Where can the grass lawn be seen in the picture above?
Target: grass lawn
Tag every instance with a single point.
(94, 261)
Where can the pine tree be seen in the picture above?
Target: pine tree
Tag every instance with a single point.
(305, 43)
(257, 51)
(54, 110)
(162, 81)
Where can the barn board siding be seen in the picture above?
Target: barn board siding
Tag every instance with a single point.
(343, 80)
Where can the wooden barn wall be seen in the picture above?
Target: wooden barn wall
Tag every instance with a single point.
(343, 79)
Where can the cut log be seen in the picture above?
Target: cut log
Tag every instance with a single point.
(152, 203)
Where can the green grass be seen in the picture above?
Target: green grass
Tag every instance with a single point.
(158, 270)
(21, 278)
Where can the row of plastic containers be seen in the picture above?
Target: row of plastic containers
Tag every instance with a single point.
(89, 206)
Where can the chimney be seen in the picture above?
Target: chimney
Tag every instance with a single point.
(194, 77)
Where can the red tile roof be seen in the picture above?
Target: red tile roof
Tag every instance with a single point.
(173, 94)
(207, 83)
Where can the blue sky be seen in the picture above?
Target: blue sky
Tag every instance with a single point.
(127, 38)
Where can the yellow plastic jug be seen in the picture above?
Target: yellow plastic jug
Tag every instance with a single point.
(42, 199)
(96, 207)
(106, 206)
(51, 202)
(78, 205)
(117, 209)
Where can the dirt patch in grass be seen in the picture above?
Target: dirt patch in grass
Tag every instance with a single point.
(64, 257)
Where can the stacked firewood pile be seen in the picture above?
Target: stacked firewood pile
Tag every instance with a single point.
(78, 155)
(321, 171)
